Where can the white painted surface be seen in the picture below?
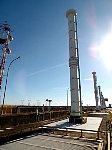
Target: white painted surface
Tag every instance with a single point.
(55, 124)
(101, 113)
(108, 140)
(92, 123)
(1, 130)
(9, 128)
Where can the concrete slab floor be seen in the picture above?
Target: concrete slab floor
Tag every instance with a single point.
(49, 142)
(92, 123)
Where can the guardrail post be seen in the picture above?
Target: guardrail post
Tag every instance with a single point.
(108, 140)
(42, 128)
(8, 137)
(53, 130)
(111, 131)
(66, 131)
(98, 135)
(81, 134)
(21, 132)
(106, 132)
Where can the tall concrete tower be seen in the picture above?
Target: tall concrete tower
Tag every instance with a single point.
(103, 105)
(75, 86)
(99, 91)
(95, 89)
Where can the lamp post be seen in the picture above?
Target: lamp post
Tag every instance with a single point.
(49, 108)
(7, 80)
(49, 100)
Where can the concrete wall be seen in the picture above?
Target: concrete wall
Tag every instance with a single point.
(25, 118)
(8, 109)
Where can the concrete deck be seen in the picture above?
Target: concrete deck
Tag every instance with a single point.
(92, 123)
(50, 142)
(57, 142)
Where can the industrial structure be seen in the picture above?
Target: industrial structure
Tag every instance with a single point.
(75, 86)
(103, 104)
(95, 89)
(5, 39)
(99, 92)
(99, 98)
(49, 127)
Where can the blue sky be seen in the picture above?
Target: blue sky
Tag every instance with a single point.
(40, 31)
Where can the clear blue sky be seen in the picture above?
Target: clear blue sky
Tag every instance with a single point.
(40, 31)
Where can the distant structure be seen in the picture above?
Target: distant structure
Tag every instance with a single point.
(95, 89)
(103, 105)
(75, 86)
(102, 99)
(99, 92)
(22, 102)
(5, 39)
(49, 100)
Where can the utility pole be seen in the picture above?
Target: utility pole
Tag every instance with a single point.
(29, 102)
(37, 102)
(22, 101)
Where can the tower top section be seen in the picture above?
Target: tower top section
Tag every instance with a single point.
(71, 12)
(93, 72)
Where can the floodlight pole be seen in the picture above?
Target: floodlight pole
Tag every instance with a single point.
(49, 100)
(6, 82)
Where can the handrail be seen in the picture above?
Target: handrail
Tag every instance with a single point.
(78, 129)
(81, 131)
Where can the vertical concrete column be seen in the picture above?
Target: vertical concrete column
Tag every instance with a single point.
(95, 89)
(73, 63)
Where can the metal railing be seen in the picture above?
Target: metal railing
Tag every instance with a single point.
(82, 131)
